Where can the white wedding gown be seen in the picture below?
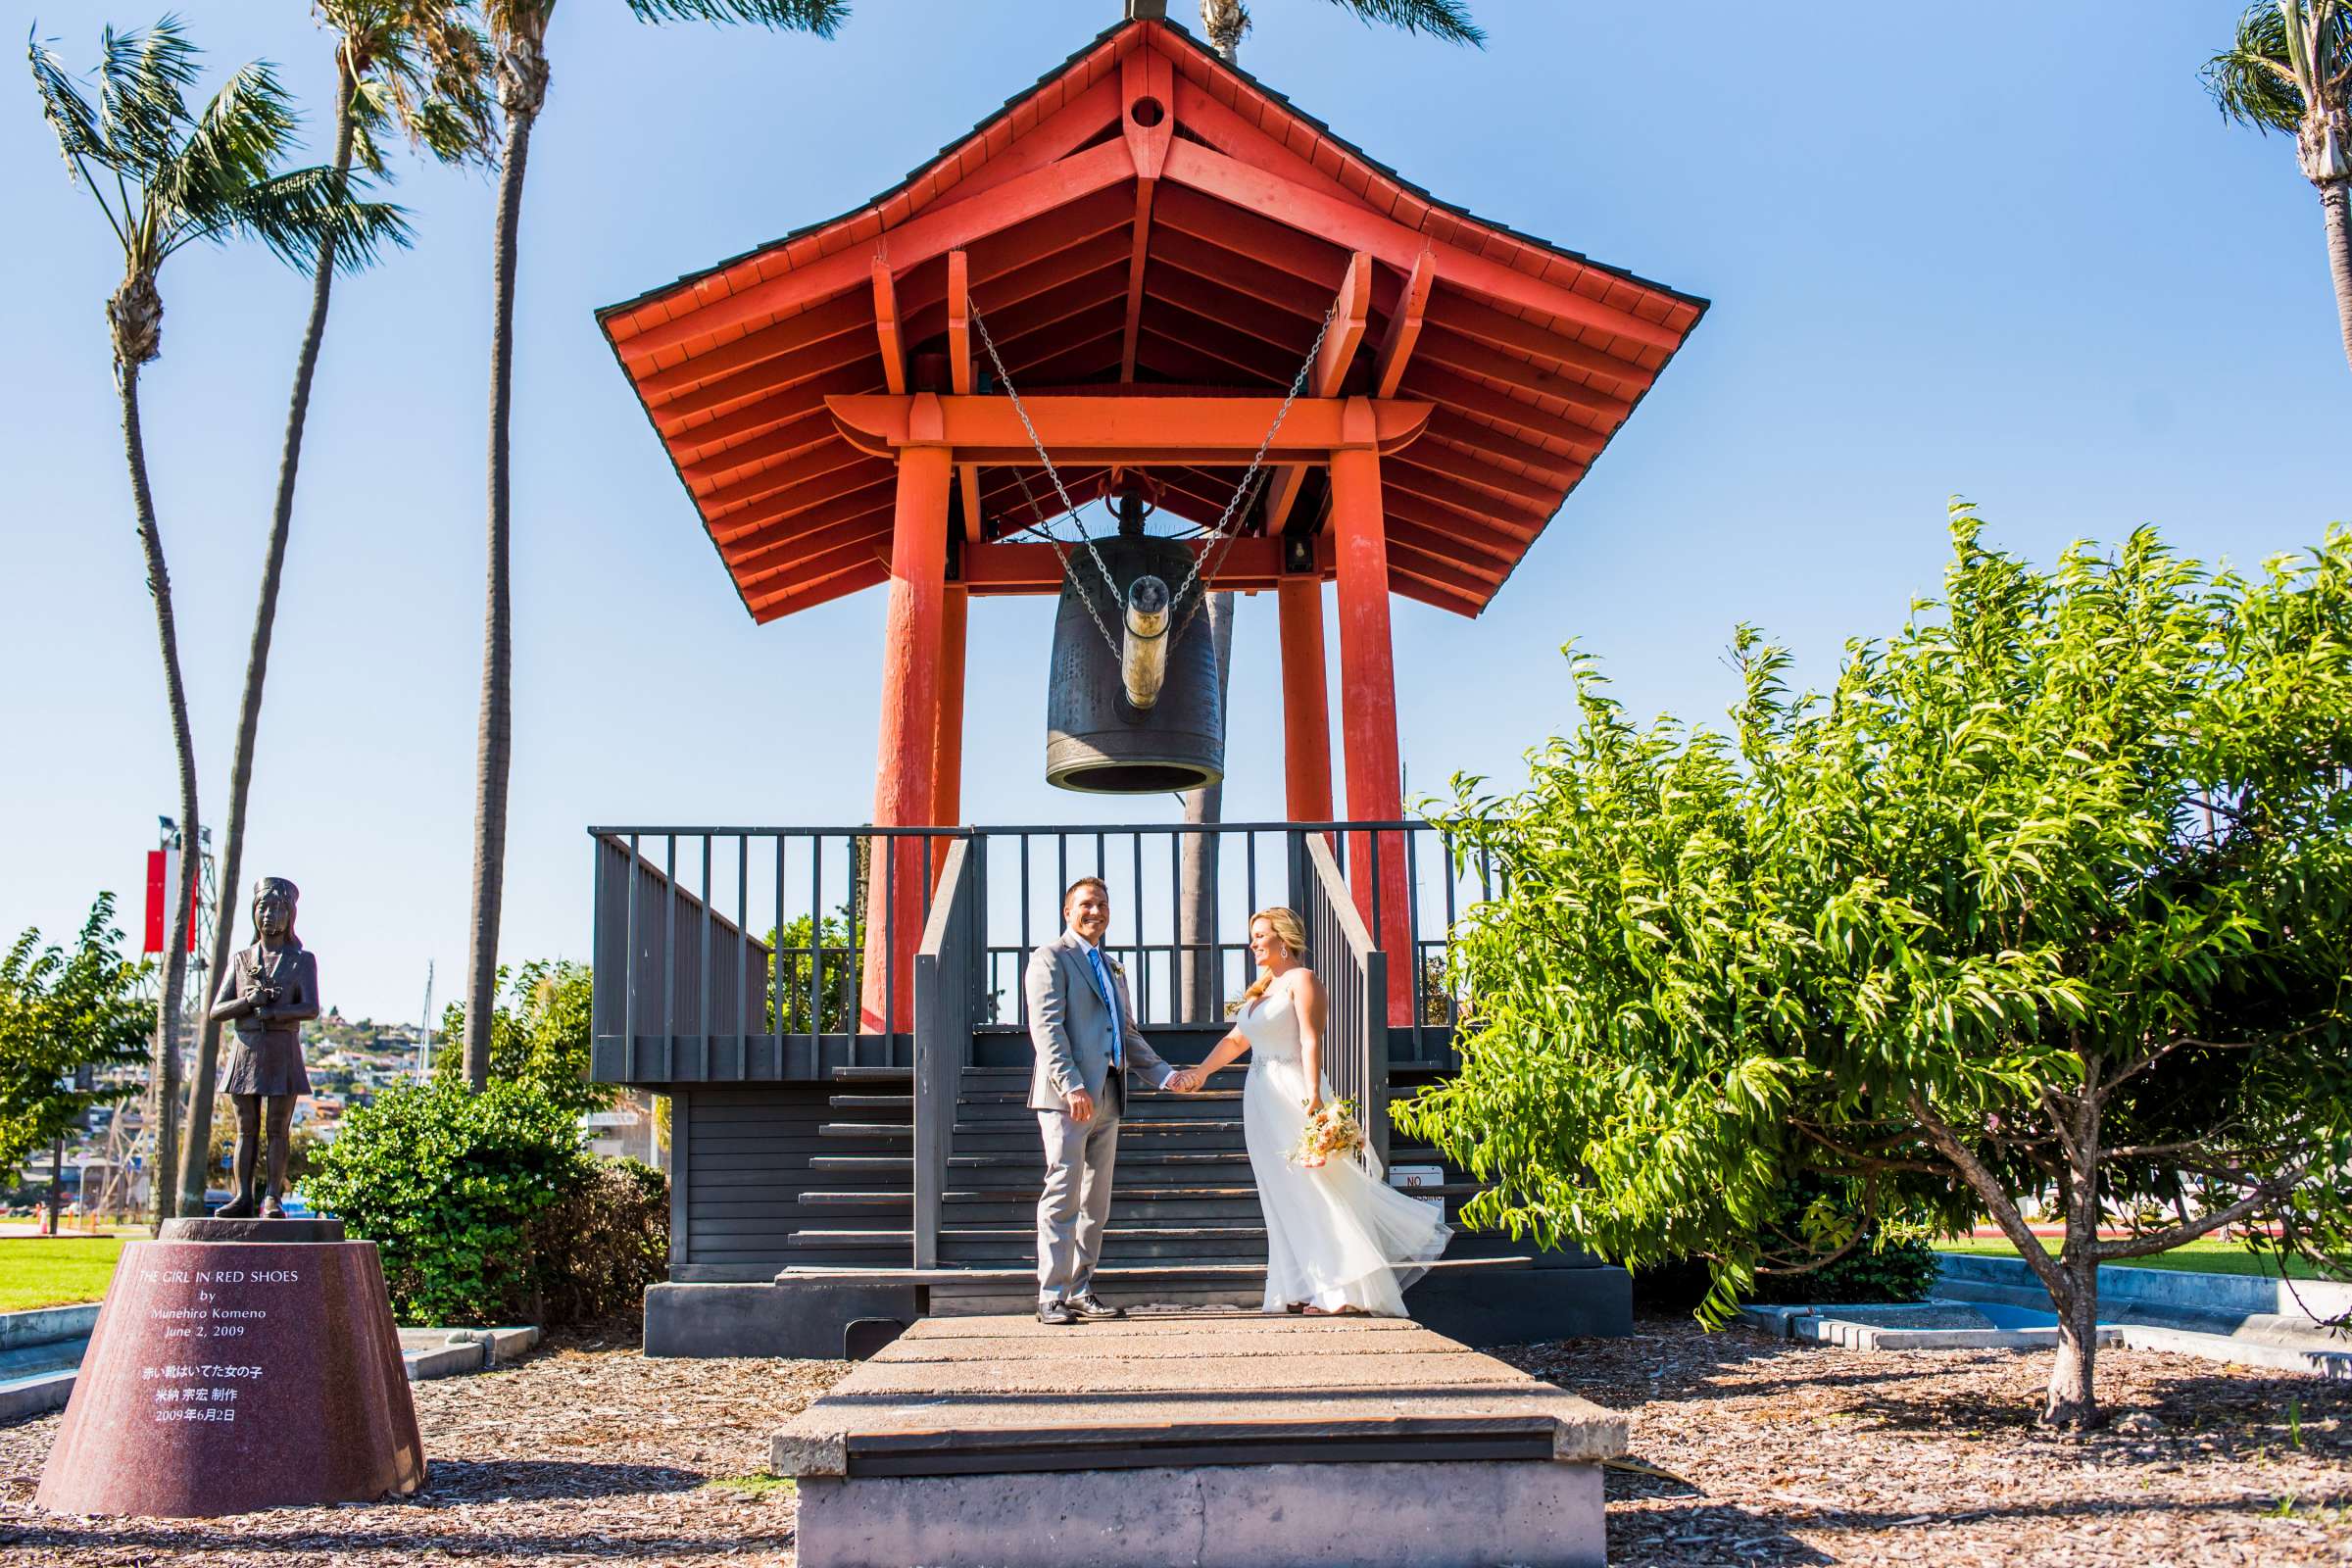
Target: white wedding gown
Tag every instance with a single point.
(1336, 1234)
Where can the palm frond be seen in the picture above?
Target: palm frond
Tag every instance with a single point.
(231, 147)
(294, 212)
(1449, 19)
(2267, 79)
(142, 83)
(822, 17)
(422, 69)
(69, 114)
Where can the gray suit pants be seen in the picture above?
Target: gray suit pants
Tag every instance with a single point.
(1076, 1206)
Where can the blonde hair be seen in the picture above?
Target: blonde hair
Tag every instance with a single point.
(1290, 931)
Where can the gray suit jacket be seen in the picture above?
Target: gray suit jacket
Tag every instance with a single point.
(1069, 1024)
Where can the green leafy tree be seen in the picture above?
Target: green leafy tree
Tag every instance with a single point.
(540, 1035)
(65, 1016)
(164, 178)
(793, 969)
(418, 66)
(2052, 894)
(2289, 69)
(517, 31)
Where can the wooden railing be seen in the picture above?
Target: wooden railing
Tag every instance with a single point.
(1355, 989)
(763, 954)
(678, 985)
(947, 970)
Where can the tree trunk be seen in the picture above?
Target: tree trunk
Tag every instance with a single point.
(495, 743)
(2072, 1396)
(2072, 1399)
(163, 1086)
(1224, 22)
(2335, 206)
(1202, 972)
(194, 1166)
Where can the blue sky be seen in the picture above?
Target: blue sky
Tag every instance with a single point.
(2006, 251)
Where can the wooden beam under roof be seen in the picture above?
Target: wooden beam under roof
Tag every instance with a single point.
(1357, 228)
(828, 457)
(1200, 430)
(1404, 329)
(761, 517)
(714, 436)
(847, 313)
(1147, 114)
(929, 233)
(1472, 397)
(961, 377)
(886, 327)
(1473, 358)
(1349, 308)
(792, 603)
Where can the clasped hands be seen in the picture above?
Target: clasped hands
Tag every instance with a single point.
(1186, 1080)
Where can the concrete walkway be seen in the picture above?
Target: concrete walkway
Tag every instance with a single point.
(1196, 1438)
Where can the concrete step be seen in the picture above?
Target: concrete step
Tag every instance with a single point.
(1108, 1276)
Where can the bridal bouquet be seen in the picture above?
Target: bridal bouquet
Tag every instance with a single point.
(1330, 1130)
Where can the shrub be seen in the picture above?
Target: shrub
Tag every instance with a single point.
(603, 1243)
(1898, 1272)
(447, 1184)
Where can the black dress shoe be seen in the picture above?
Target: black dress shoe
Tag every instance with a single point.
(1092, 1307)
(1054, 1312)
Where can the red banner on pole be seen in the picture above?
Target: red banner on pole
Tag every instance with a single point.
(162, 875)
(156, 902)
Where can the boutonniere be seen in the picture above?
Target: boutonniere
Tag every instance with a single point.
(1116, 968)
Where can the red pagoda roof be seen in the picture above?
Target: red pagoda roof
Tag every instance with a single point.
(1146, 218)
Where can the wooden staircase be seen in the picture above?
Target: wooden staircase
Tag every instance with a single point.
(1184, 1214)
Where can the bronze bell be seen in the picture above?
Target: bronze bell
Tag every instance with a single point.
(1100, 738)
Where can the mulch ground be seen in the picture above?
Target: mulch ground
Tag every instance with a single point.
(1755, 1451)
(1768, 1451)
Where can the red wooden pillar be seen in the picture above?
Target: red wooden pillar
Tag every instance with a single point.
(1305, 703)
(907, 757)
(947, 769)
(1368, 699)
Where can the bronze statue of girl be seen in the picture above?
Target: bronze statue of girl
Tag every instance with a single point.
(270, 991)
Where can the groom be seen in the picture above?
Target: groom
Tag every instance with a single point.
(1084, 1030)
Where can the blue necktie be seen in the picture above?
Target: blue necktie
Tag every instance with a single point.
(1094, 956)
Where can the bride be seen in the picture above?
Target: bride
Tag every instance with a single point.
(1339, 1239)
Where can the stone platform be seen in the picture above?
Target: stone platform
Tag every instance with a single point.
(1197, 1439)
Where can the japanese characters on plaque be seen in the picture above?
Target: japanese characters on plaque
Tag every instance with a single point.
(229, 1302)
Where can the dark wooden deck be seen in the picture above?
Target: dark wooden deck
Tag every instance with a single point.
(1011, 1396)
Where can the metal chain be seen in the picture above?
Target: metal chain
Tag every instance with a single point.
(1067, 505)
(1221, 540)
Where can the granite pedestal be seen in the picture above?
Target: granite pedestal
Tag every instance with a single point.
(229, 1375)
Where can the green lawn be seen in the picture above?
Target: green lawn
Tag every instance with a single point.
(2206, 1257)
(46, 1271)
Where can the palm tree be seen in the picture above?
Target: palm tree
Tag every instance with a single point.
(416, 65)
(519, 35)
(1224, 22)
(2289, 69)
(164, 178)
